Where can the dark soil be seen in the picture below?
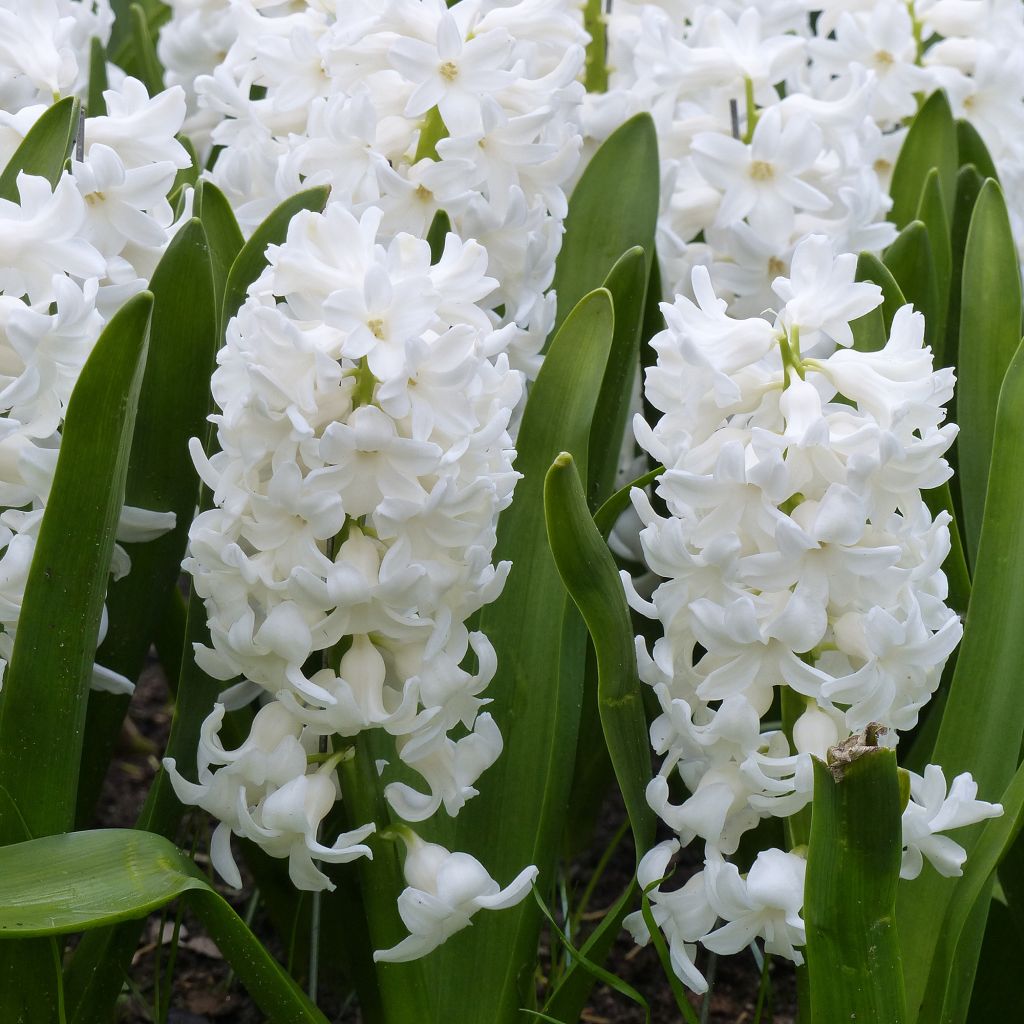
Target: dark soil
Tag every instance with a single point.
(203, 990)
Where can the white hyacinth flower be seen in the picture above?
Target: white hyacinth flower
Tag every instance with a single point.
(444, 891)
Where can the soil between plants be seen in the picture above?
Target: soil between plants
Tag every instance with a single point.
(203, 990)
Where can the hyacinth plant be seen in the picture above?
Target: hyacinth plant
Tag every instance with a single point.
(534, 401)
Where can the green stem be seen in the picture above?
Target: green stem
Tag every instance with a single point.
(432, 132)
(596, 74)
(748, 92)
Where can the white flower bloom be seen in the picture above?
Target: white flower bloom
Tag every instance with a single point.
(930, 811)
(444, 891)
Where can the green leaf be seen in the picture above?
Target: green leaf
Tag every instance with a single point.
(931, 142)
(83, 880)
(910, 261)
(932, 213)
(990, 330)
(589, 574)
(972, 150)
(540, 644)
(614, 207)
(43, 702)
(871, 268)
(146, 63)
(627, 282)
(983, 722)
(440, 226)
(853, 867)
(968, 187)
(252, 258)
(223, 235)
(44, 149)
(607, 515)
(173, 406)
(188, 175)
(951, 960)
(592, 580)
(95, 104)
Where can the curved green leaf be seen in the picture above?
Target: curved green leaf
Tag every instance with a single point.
(83, 880)
(95, 104)
(44, 149)
(972, 150)
(613, 207)
(145, 62)
(853, 867)
(589, 574)
(43, 702)
(627, 282)
(871, 268)
(540, 642)
(983, 722)
(968, 188)
(173, 406)
(931, 142)
(223, 235)
(909, 260)
(990, 331)
(252, 258)
(932, 213)
(997, 837)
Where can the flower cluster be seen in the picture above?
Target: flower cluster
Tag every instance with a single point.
(365, 401)
(774, 124)
(71, 254)
(796, 552)
(414, 108)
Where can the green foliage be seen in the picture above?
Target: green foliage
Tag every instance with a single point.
(83, 880)
(930, 143)
(990, 330)
(853, 866)
(983, 722)
(44, 149)
(613, 208)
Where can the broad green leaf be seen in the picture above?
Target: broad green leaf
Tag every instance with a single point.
(252, 258)
(173, 406)
(44, 149)
(853, 867)
(614, 207)
(931, 142)
(968, 187)
(983, 722)
(83, 880)
(95, 104)
(43, 701)
(592, 580)
(871, 268)
(540, 645)
(223, 235)
(972, 150)
(953, 966)
(931, 211)
(627, 283)
(990, 331)
(909, 260)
